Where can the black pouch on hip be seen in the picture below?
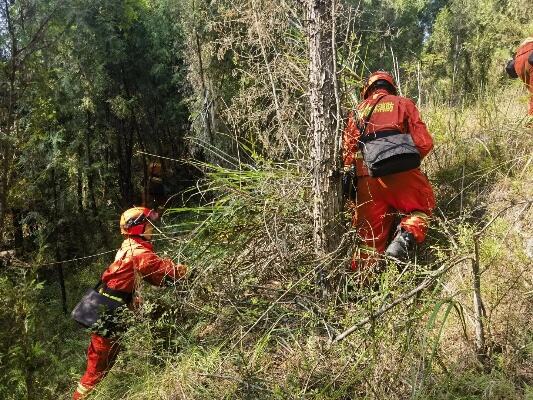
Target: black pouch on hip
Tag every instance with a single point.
(93, 306)
(510, 69)
(389, 152)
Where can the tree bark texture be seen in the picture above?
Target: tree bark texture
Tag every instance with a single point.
(325, 154)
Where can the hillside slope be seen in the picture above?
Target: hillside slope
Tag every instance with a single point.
(254, 323)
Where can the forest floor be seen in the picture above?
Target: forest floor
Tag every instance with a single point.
(253, 322)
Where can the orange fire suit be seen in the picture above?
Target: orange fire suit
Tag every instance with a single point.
(524, 70)
(135, 257)
(379, 199)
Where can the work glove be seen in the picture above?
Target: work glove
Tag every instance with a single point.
(181, 270)
(349, 183)
(178, 273)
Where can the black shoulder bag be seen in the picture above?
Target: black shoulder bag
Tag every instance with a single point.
(94, 305)
(387, 152)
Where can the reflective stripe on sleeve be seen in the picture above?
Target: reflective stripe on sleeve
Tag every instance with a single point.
(101, 291)
(82, 389)
(367, 249)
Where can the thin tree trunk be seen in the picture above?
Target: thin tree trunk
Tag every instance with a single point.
(18, 234)
(325, 154)
(79, 188)
(124, 151)
(6, 146)
(128, 155)
(4, 185)
(144, 195)
(206, 110)
(90, 176)
(58, 237)
(478, 306)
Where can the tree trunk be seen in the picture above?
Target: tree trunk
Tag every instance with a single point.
(89, 133)
(58, 242)
(18, 233)
(479, 310)
(326, 147)
(79, 183)
(206, 111)
(8, 117)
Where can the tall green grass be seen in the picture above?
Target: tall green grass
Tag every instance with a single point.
(250, 323)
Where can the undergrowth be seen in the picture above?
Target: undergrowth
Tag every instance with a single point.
(253, 321)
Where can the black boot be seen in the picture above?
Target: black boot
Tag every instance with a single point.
(401, 245)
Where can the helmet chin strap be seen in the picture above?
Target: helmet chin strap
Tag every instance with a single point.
(141, 235)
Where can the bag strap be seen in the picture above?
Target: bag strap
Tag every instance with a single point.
(121, 258)
(367, 119)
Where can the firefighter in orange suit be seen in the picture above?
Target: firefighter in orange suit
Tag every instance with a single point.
(136, 256)
(154, 193)
(379, 200)
(521, 66)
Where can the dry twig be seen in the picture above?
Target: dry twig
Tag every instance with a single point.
(426, 283)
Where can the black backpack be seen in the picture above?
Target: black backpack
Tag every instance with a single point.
(387, 152)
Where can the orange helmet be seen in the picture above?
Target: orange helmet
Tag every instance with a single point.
(374, 78)
(134, 220)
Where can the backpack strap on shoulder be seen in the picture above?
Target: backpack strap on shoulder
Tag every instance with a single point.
(367, 118)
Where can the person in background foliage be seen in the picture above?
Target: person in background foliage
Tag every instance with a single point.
(375, 201)
(135, 257)
(521, 66)
(154, 191)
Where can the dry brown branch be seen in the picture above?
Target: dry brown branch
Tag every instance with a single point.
(426, 283)
(6, 255)
(479, 309)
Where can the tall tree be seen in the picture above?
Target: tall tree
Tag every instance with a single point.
(27, 31)
(324, 126)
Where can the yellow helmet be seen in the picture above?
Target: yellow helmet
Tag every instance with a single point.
(133, 221)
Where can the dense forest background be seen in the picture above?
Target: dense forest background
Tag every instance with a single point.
(92, 92)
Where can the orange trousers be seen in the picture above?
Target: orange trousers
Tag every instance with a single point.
(379, 200)
(525, 73)
(529, 86)
(101, 355)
